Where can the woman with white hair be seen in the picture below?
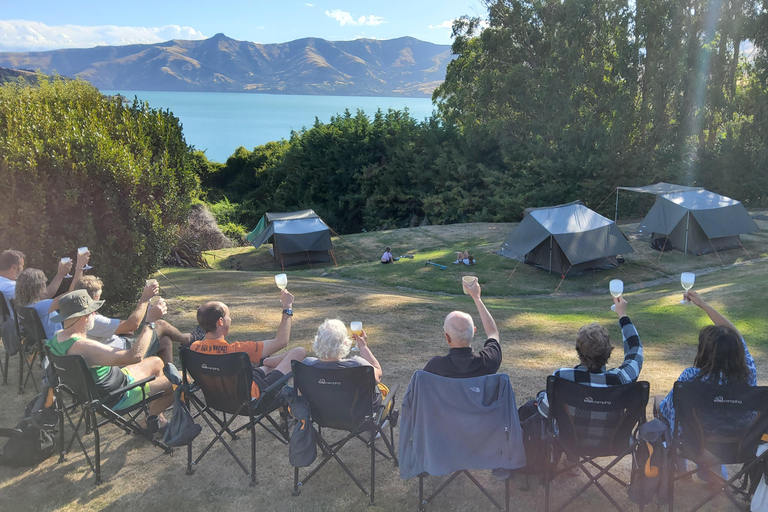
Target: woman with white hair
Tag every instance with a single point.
(332, 345)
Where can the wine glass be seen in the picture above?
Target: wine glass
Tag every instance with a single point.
(281, 280)
(64, 261)
(356, 328)
(83, 250)
(616, 286)
(687, 279)
(466, 282)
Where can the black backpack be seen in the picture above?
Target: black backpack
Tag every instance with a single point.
(651, 457)
(34, 438)
(537, 457)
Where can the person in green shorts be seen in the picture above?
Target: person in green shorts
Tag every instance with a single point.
(113, 368)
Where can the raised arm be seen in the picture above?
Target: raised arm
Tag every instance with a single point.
(489, 324)
(714, 315)
(52, 288)
(280, 341)
(365, 353)
(133, 321)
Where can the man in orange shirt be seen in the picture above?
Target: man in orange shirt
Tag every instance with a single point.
(214, 318)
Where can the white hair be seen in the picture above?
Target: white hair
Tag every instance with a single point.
(460, 328)
(332, 341)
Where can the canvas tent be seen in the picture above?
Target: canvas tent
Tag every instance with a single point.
(657, 189)
(297, 237)
(568, 239)
(698, 221)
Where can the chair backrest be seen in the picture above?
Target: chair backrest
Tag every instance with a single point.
(225, 379)
(726, 420)
(30, 326)
(339, 398)
(72, 372)
(5, 313)
(596, 421)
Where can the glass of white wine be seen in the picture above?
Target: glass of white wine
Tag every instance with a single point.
(466, 282)
(81, 251)
(616, 286)
(356, 328)
(686, 280)
(64, 261)
(281, 280)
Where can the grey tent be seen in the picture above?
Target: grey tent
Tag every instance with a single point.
(699, 221)
(568, 239)
(656, 189)
(297, 237)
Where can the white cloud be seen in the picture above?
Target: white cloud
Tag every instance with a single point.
(24, 35)
(445, 24)
(310, 5)
(345, 18)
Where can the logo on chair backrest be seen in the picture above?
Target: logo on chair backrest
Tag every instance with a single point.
(721, 400)
(474, 389)
(58, 368)
(328, 383)
(206, 367)
(590, 400)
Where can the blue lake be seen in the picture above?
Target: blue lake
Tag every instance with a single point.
(221, 122)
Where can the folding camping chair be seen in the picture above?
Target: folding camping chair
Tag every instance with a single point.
(475, 417)
(717, 425)
(588, 422)
(342, 399)
(10, 335)
(32, 338)
(225, 381)
(75, 389)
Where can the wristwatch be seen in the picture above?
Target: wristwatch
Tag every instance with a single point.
(151, 325)
(288, 312)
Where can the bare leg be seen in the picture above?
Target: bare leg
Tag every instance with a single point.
(283, 361)
(165, 352)
(147, 368)
(163, 328)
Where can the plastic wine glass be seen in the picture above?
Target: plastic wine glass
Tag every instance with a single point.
(616, 286)
(356, 328)
(281, 280)
(466, 282)
(687, 279)
(83, 250)
(64, 261)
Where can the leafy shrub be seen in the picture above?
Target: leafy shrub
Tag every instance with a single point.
(78, 168)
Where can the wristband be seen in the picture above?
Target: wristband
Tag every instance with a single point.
(288, 312)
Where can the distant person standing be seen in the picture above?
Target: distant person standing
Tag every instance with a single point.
(387, 256)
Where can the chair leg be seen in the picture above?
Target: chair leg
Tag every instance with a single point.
(253, 454)
(21, 371)
(296, 490)
(421, 492)
(98, 451)
(373, 465)
(7, 368)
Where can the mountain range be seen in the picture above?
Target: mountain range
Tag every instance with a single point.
(364, 67)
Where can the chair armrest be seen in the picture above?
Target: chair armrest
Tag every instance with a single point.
(130, 386)
(272, 391)
(390, 396)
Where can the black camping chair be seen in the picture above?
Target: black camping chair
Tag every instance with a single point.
(435, 438)
(75, 389)
(32, 337)
(10, 335)
(225, 381)
(717, 425)
(588, 422)
(342, 399)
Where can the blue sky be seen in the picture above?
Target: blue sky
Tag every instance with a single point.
(37, 25)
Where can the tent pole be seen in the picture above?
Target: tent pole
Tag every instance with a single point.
(666, 238)
(616, 212)
(687, 225)
(550, 255)
(745, 250)
(718, 254)
(513, 271)
(334, 257)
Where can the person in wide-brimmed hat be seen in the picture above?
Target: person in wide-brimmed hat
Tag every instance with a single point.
(112, 368)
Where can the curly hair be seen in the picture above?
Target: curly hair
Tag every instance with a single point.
(593, 344)
(331, 341)
(720, 355)
(30, 287)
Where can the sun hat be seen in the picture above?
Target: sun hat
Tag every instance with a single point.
(75, 304)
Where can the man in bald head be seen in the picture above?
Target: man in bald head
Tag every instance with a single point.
(459, 329)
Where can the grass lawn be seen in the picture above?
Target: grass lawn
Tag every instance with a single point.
(402, 307)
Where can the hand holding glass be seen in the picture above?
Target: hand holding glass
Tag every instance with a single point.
(356, 328)
(64, 261)
(281, 280)
(616, 286)
(467, 282)
(83, 250)
(687, 279)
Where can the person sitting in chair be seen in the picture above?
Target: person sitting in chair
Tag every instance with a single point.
(113, 368)
(593, 346)
(332, 345)
(214, 318)
(31, 290)
(387, 256)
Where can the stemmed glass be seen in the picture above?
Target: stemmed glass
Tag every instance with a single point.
(356, 328)
(687, 279)
(81, 251)
(64, 261)
(281, 280)
(616, 286)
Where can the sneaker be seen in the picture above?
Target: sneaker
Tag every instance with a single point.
(501, 474)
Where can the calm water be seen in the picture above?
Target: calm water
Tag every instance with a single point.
(221, 122)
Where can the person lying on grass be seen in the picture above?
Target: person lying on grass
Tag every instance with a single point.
(459, 330)
(113, 368)
(215, 320)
